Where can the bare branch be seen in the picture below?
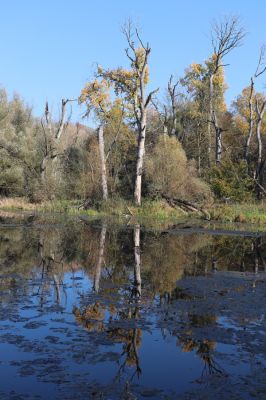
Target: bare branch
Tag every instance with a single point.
(261, 67)
(149, 97)
(62, 124)
(227, 35)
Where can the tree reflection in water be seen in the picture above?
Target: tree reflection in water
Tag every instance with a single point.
(129, 270)
(93, 317)
(205, 350)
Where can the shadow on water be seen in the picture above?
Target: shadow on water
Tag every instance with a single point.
(92, 310)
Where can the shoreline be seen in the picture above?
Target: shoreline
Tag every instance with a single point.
(152, 214)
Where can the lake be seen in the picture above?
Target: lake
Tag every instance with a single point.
(98, 310)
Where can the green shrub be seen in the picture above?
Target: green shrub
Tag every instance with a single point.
(168, 172)
(231, 181)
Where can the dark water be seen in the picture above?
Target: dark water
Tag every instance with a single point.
(96, 311)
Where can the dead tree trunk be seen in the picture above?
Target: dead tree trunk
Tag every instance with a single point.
(173, 95)
(103, 163)
(186, 205)
(250, 122)
(259, 167)
(218, 145)
(140, 157)
(139, 61)
(52, 135)
(210, 118)
(198, 149)
(261, 68)
(218, 139)
(260, 112)
(226, 36)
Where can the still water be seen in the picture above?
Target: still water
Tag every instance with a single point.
(93, 310)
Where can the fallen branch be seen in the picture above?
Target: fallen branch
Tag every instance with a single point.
(85, 204)
(186, 205)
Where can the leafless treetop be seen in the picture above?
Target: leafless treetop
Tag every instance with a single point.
(261, 66)
(227, 34)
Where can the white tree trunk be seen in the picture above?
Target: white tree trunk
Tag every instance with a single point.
(103, 163)
(140, 159)
(250, 132)
(218, 145)
(260, 113)
(210, 119)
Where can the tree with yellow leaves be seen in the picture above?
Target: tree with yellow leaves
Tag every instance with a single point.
(198, 141)
(96, 96)
(130, 84)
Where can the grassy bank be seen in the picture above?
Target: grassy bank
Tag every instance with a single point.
(243, 213)
(150, 210)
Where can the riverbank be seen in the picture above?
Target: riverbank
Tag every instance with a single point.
(156, 210)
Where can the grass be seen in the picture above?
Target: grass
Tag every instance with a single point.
(16, 203)
(150, 210)
(123, 211)
(252, 213)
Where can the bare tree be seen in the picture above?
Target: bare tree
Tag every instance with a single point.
(227, 35)
(172, 92)
(260, 110)
(261, 68)
(52, 134)
(103, 162)
(218, 136)
(139, 60)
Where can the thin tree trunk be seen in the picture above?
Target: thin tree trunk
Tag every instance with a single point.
(140, 158)
(199, 152)
(43, 169)
(259, 159)
(172, 94)
(103, 163)
(210, 119)
(250, 131)
(218, 145)
(260, 113)
(260, 163)
(174, 131)
(218, 139)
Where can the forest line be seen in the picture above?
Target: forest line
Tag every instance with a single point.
(188, 149)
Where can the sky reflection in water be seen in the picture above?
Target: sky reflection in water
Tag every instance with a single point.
(97, 311)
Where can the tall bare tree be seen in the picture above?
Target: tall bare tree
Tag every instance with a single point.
(103, 162)
(139, 57)
(227, 35)
(261, 68)
(172, 92)
(52, 134)
(260, 110)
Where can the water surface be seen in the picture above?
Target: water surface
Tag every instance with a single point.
(100, 311)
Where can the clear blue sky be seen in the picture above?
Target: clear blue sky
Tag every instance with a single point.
(49, 48)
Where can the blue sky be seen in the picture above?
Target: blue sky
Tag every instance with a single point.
(49, 48)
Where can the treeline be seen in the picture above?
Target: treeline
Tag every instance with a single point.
(187, 147)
